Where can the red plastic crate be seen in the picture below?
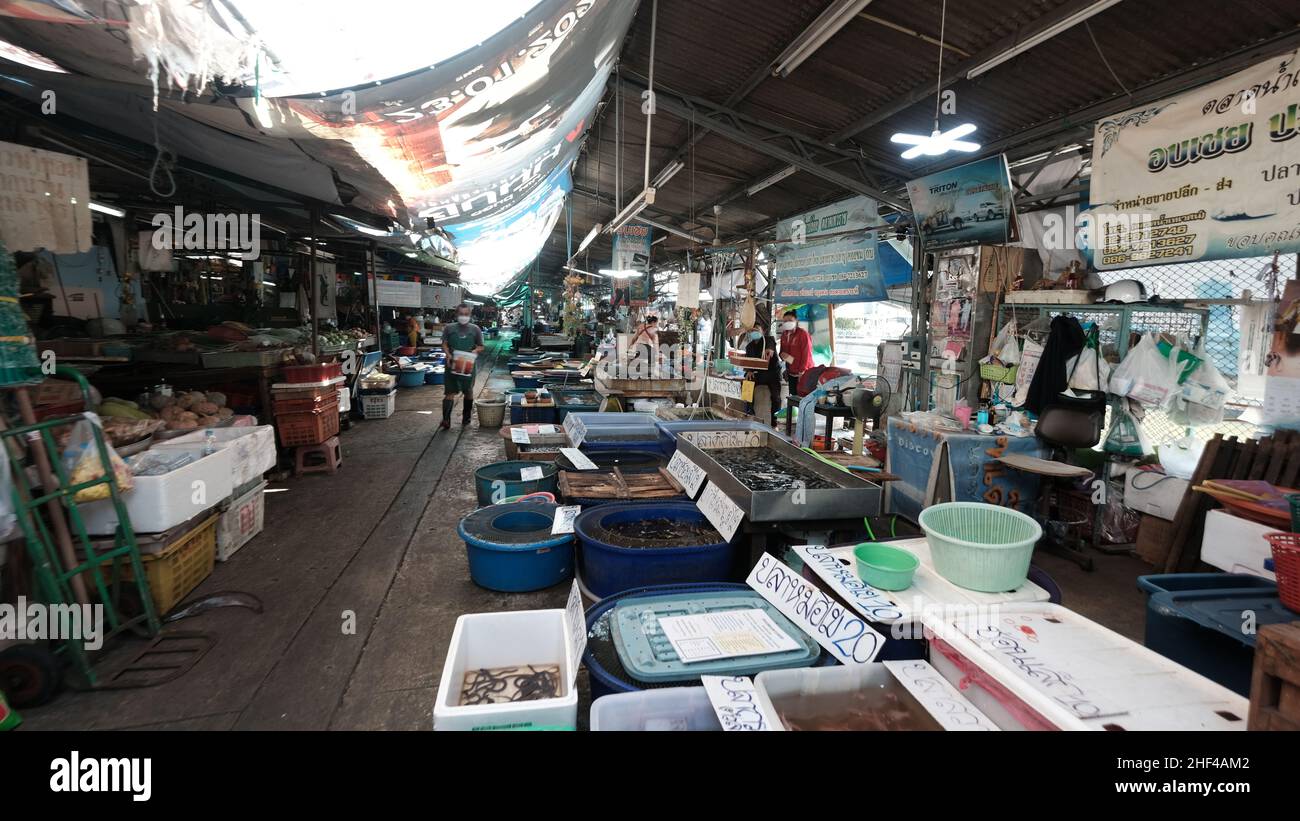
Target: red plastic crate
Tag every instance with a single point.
(312, 373)
(309, 427)
(1286, 566)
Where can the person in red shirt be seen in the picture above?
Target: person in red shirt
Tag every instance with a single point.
(796, 350)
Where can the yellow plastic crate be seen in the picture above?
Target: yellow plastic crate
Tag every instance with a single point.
(176, 571)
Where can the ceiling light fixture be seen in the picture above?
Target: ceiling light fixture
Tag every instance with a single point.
(826, 26)
(663, 226)
(939, 142)
(670, 170)
(591, 235)
(630, 211)
(619, 274)
(771, 180)
(1041, 37)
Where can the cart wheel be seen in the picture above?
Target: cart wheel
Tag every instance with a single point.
(29, 675)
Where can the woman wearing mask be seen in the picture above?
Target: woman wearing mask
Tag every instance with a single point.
(796, 350)
(767, 383)
(459, 336)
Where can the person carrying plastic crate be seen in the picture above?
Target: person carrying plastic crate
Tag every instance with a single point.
(467, 338)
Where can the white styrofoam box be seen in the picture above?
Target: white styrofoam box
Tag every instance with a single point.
(1235, 544)
(1045, 661)
(159, 502)
(345, 400)
(240, 522)
(253, 449)
(1152, 492)
(666, 708)
(492, 640)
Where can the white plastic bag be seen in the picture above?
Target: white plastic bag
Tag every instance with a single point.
(1005, 347)
(1146, 375)
(1084, 370)
(1028, 365)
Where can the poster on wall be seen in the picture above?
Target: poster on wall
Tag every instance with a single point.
(828, 255)
(393, 293)
(632, 253)
(1282, 365)
(968, 205)
(1209, 174)
(44, 200)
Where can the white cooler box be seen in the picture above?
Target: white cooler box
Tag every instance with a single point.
(1147, 491)
(242, 520)
(511, 639)
(159, 502)
(253, 449)
(1236, 545)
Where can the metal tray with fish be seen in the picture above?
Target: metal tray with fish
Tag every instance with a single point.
(774, 481)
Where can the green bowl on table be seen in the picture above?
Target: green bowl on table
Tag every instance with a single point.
(885, 567)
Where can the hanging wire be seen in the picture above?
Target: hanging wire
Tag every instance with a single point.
(938, 83)
(163, 162)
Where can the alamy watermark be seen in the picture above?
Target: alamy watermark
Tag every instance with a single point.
(34, 621)
(208, 232)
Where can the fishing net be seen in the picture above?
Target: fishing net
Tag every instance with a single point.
(518, 523)
(19, 364)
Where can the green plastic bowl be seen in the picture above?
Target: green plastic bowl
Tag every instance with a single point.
(885, 567)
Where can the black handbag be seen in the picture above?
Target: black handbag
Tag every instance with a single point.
(1075, 421)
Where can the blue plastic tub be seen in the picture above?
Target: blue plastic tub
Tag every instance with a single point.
(501, 480)
(410, 379)
(1197, 620)
(521, 415)
(598, 440)
(609, 568)
(511, 548)
(606, 675)
(526, 381)
(433, 377)
(629, 461)
(672, 427)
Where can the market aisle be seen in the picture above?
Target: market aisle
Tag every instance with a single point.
(377, 539)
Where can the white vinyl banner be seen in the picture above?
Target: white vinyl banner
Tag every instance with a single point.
(1213, 173)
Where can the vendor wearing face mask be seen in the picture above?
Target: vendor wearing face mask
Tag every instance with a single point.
(459, 336)
(767, 383)
(796, 350)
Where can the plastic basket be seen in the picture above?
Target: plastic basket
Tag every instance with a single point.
(990, 372)
(1294, 499)
(378, 406)
(1286, 566)
(176, 571)
(311, 373)
(980, 547)
(309, 428)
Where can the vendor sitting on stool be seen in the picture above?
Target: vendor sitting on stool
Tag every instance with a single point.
(796, 350)
(461, 336)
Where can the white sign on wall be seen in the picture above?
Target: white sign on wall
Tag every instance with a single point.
(393, 293)
(44, 200)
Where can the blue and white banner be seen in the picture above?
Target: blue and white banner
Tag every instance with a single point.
(1209, 174)
(841, 267)
(967, 205)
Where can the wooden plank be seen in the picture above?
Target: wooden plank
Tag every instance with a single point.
(1291, 467)
(1245, 457)
(1282, 449)
(668, 477)
(1275, 682)
(623, 492)
(1263, 456)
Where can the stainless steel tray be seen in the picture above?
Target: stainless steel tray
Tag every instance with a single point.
(853, 498)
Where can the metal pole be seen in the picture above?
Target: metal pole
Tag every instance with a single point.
(315, 315)
(374, 283)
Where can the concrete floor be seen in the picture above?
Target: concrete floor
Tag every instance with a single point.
(378, 540)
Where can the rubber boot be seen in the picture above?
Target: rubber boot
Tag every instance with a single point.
(446, 413)
(467, 413)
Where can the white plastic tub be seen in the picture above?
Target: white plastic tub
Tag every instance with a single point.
(159, 502)
(666, 709)
(242, 521)
(1041, 666)
(492, 640)
(786, 692)
(252, 449)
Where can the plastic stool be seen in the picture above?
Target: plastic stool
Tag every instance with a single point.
(323, 458)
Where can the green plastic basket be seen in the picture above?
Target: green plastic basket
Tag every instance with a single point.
(978, 546)
(1294, 499)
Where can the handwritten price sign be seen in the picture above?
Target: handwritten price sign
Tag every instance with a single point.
(943, 701)
(722, 513)
(834, 626)
(689, 474)
(735, 701)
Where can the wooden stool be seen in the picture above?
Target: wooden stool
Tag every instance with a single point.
(323, 458)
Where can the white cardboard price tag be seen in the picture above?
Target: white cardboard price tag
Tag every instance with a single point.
(520, 436)
(579, 459)
(575, 615)
(835, 627)
(564, 519)
(722, 513)
(531, 474)
(728, 388)
(575, 428)
(735, 702)
(943, 701)
(864, 598)
(689, 474)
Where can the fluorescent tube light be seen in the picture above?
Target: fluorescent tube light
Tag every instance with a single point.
(1041, 37)
(629, 212)
(106, 209)
(663, 226)
(826, 26)
(670, 170)
(771, 180)
(591, 235)
(938, 143)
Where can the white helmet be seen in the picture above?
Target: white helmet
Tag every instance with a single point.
(1125, 290)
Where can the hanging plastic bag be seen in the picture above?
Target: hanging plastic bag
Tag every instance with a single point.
(1180, 458)
(1029, 357)
(1146, 375)
(82, 463)
(8, 521)
(1126, 437)
(1088, 372)
(1005, 345)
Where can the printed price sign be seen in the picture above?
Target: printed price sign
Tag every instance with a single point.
(575, 428)
(943, 701)
(689, 474)
(722, 513)
(564, 519)
(835, 627)
(576, 619)
(531, 474)
(520, 436)
(735, 702)
(578, 458)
